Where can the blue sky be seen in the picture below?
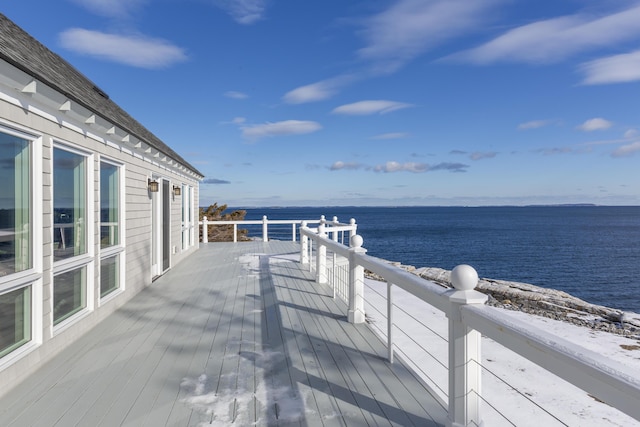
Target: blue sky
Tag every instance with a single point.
(378, 102)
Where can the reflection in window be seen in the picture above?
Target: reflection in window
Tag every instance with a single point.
(69, 204)
(15, 205)
(109, 275)
(15, 319)
(109, 205)
(69, 294)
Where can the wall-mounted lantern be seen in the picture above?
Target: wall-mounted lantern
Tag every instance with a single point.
(176, 190)
(153, 185)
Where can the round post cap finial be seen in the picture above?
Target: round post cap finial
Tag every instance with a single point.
(304, 223)
(464, 277)
(356, 241)
(352, 221)
(264, 217)
(335, 219)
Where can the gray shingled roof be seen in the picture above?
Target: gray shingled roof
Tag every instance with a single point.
(24, 52)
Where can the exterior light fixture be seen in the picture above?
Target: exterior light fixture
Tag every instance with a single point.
(176, 190)
(153, 186)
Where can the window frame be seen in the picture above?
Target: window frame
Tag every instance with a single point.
(117, 250)
(188, 222)
(67, 319)
(32, 276)
(35, 214)
(86, 259)
(35, 319)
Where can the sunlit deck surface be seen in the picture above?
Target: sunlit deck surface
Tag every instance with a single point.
(238, 334)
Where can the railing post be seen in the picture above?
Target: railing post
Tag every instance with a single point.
(235, 233)
(356, 282)
(265, 231)
(293, 232)
(465, 372)
(390, 322)
(205, 229)
(304, 245)
(321, 257)
(352, 232)
(335, 233)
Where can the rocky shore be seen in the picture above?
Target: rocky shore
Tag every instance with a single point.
(539, 301)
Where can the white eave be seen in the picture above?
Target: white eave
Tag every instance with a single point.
(24, 91)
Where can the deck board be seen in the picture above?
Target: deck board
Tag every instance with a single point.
(237, 334)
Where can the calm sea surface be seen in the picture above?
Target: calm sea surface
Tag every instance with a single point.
(592, 252)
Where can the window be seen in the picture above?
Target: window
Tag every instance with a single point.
(69, 294)
(109, 205)
(72, 233)
(69, 204)
(15, 319)
(111, 239)
(187, 216)
(109, 275)
(15, 205)
(17, 270)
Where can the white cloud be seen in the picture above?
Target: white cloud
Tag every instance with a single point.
(318, 91)
(612, 69)
(340, 165)
(410, 27)
(238, 120)
(392, 166)
(534, 124)
(555, 39)
(111, 8)
(134, 50)
(400, 33)
(482, 155)
(287, 127)
(362, 108)
(235, 95)
(631, 133)
(555, 151)
(627, 150)
(597, 123)
(391, 135)
(309, 93)
(243, 11)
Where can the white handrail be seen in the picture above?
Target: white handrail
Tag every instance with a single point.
(469, 317)
(584, 368)
(333, 228)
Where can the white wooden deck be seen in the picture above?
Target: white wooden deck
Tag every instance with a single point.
(235, 335)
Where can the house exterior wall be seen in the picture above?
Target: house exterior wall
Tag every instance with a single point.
(49, 128)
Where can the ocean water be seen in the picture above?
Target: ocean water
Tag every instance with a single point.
(592, 252)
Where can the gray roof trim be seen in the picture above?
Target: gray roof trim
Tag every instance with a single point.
(24, 52)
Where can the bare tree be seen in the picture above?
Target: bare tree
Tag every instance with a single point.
(223, 233)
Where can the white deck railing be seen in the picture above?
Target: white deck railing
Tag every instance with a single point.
(335, 229)
(469, 319)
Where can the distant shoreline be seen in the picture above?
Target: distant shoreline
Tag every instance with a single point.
(328, 207)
